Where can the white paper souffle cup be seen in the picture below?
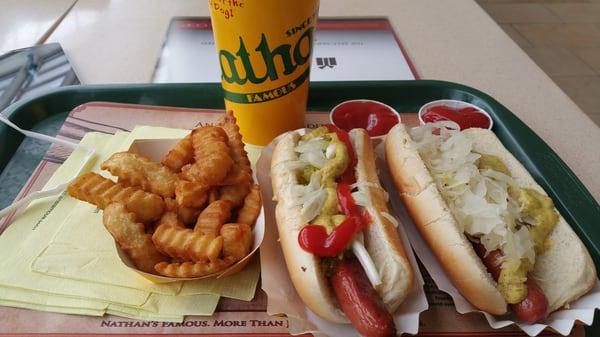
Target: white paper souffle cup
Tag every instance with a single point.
(359, 104)
(454, 105)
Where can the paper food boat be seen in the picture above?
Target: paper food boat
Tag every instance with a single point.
(155, 150)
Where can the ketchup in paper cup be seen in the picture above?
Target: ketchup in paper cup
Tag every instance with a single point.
(466, 115)
(375, 117)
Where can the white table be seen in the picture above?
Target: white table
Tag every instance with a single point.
(24, 23)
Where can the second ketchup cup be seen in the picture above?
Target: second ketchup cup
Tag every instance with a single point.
(466, 115)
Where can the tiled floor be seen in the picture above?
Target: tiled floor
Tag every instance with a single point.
(562, 37)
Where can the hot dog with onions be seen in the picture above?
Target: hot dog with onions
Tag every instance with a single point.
(493, 229)
(339, 241)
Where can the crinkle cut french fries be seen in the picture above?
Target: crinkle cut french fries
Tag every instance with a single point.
(190, 215)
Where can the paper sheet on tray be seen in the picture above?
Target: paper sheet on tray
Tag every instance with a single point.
(562, 321)
(157, 307)
(53, 309)
(44, 299)
(33, 230)
(283, 298)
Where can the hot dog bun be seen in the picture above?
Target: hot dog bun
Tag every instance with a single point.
(381, 238)
(564, 272)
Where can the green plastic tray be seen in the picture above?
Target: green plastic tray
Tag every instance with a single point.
(46, 112)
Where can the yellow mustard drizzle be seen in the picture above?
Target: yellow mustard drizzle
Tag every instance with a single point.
(538, 213)
(330, 215)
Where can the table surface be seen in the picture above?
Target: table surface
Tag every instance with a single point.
(119, 41)
(24, 23)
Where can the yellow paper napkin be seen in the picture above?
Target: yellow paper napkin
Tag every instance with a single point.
(84, 250)
(29, 234)
(45, 299)
(49, 308)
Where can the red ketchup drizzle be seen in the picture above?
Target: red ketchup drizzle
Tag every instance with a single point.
(345, 200)
(314, 238)
(348, 206)
(467, 117)
(376, 118)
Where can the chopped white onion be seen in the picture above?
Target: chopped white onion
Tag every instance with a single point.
(330, 151)
(315, 158)
(364, 184)
(497, 176)
(293, 165)
(390, 218)
(317, 143)
(311, 196)
(312, 151)
(520, 245)
(299, 191)
(366, 262)
(361, 199)
(312, 204)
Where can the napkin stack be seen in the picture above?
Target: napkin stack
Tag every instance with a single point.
(57, 256)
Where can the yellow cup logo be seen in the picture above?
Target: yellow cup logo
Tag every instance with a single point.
(264, 50)
(237, 68)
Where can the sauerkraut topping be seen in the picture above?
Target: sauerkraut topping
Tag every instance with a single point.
(479, 199)
(486, 202)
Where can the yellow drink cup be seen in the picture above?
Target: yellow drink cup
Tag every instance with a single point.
(265, 52)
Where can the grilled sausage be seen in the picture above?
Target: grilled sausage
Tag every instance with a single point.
(534, 307)
(359, 301)
(531, 309)
(492, 261)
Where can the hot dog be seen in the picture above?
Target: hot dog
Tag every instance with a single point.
(339, 241)
(493, 229)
